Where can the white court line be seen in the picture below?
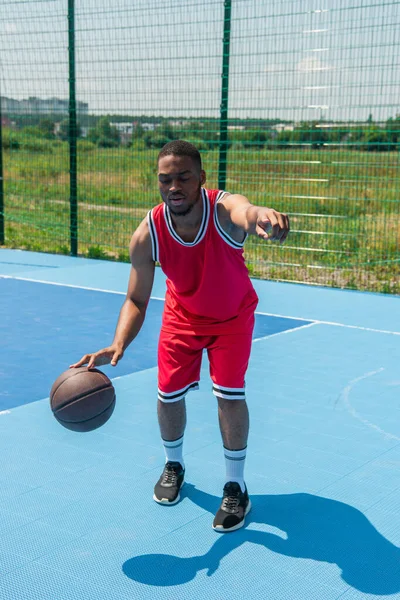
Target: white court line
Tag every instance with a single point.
(315, 321)
(69, 285)
(258, 312)
(333, 323)
(266, 337)
(346, 394)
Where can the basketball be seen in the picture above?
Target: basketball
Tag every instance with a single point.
(82, 399)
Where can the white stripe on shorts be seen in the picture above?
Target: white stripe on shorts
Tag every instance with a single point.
(229, 393)
(179, 394)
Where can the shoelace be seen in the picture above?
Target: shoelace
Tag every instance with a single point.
(170, 476)
(230, 503)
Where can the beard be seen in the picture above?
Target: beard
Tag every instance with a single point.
(183, 213)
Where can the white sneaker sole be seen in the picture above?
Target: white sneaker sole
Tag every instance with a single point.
(165, 501)
(221, 529)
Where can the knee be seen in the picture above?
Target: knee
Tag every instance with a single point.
(225, 404)
(172, 401)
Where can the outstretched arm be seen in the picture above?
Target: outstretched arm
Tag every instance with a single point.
(133, 310)
(267, 223)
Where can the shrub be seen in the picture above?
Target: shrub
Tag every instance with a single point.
(96, 252)
(85, 146)
(10, 141)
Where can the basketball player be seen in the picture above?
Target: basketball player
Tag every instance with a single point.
(197, 235)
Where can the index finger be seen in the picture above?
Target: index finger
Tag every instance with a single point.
(85, 359)
(287, 229)
(275, 228)
(281, 228)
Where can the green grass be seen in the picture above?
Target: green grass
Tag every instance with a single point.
(343, 205)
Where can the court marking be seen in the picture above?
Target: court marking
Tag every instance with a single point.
(334, 324)
(266, 337)
(112, 563)
(345, 394)
(18, 264)
(8, 411)
(315, 321)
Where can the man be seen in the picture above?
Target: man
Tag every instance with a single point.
(197, 236)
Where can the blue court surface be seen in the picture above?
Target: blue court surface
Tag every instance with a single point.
(77, 518)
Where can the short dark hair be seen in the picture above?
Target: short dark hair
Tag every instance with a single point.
(181, 148)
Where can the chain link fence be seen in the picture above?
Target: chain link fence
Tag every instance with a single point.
(293, 104)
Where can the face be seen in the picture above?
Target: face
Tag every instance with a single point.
(179, 182)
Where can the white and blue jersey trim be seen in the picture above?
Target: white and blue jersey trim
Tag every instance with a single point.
(203, 226)
(153, 236)
(225, 236)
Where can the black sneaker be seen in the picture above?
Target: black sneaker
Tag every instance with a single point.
(234, 507)
(166, 490)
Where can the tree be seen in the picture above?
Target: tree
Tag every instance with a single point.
(155, 140)
(283, 139)
(309, 134)
(104, 134)
(46, 126)
(166, 130)
(63, 130)
(375, 139)
(138, 131)
(393, 130)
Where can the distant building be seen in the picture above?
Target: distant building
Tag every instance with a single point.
(149, 126)
(125, 131)
(84, 131)
(357, 125)
(33, 105)
(174, 123)
(283, 127)
(124, 128)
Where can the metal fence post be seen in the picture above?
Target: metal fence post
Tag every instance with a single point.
(2, 237)
(223, 124)
(72, 131)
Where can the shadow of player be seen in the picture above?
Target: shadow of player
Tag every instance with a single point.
(314, 527)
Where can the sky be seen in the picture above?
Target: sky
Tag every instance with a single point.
(289, 59)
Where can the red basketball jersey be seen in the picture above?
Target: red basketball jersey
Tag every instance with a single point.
(209, 291)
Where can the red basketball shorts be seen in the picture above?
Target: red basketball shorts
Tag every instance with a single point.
(179, 364)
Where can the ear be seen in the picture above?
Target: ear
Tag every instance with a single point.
(203, 177)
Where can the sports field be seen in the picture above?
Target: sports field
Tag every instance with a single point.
(345, 223)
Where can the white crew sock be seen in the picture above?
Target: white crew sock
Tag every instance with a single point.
(234, 464)
(173, 450)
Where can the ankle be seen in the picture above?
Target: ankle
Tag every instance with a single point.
(174, 451)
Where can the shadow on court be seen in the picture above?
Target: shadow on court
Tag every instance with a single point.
(316, 528)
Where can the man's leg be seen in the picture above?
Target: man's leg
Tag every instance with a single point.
(172, 423)
(233, 418)
(179, 362)
(234, 423)
(229, 356)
